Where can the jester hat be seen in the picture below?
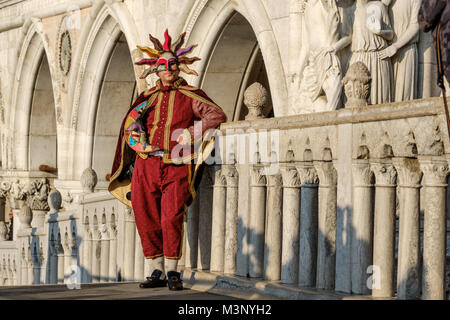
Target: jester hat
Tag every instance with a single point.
(168, 56)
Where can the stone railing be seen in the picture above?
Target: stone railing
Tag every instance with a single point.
(352, 201)
(313, 201)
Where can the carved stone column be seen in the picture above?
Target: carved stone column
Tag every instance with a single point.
(384, 228)
(232, 177)
(96, 255)
(130, 241)
(138, 258)
(60, 259)
(192, 234)
(113, 253)
(205, 220)
(435, 227)
(272, 252)
(409, 176)
(53, 261)
(327, 210)
(362, 224)
(308, 225)
(257, 221)
(218, 221)
(291, 225)
(104, 260)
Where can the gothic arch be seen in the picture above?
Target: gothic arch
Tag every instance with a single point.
(205, 24)
(101, 33)
(34, 48)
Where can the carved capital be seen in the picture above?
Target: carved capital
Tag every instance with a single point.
(258, 178)
(290, 176)
(308, 175)
(326, 172)
(219, 179)
(231, 175)
(408, 172)
(385, 174)
(434, 173)
(362, 175)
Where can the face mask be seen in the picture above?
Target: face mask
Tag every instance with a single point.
(167, 62)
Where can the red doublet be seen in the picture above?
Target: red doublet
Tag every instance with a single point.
(161, 188)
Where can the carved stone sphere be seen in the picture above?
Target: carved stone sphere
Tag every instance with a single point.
(255, 99)
(54, 201)
(88, 180)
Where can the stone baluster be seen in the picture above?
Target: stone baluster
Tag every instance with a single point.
(130, 241)
(67, 258)
(257, 221)
(104, 252)
(232, 178)
(327, 210)
(384, 228)
(205, 221)
(409, 176)
(138, 258)
(30, 270)
(192, 234)
(60, 259)
(113, 253)
(53, 261)
(24, 269)
(87, 255)
(96, 255)
(291, 225)
(435, 227)
(308, 225)
(362, 223)
(272, 252)
(218, 221)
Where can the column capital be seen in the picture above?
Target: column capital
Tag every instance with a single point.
(308, 174)
(231, 174)
(408, 172)
(434, 172)
(257, 175)
(385, 174)
(290, 176)
(219, 179)
(362, 175)
(326, 172)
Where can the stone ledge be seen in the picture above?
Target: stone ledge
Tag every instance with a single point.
(257, 288)
(382, 112)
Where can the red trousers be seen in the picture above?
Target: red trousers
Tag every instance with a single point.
(159, 194)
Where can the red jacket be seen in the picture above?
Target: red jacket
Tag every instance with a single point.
(173, 108)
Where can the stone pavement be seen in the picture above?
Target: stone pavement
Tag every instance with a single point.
(104, 291)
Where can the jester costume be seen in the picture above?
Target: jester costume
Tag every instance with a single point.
(151, 172)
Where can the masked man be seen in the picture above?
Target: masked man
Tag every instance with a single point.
(159, 156)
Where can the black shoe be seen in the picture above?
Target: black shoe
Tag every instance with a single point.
(154, 281)
(175, 282)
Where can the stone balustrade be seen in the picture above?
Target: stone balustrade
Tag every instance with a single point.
(276, 213)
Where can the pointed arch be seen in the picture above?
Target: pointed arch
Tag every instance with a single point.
(205, 24)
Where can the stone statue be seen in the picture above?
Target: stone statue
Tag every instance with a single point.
(371, 33)
(404, 52)
(320, 67)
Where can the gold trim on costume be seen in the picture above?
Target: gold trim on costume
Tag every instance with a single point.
(156, 118)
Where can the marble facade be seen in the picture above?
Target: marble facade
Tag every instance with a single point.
(330, 172)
